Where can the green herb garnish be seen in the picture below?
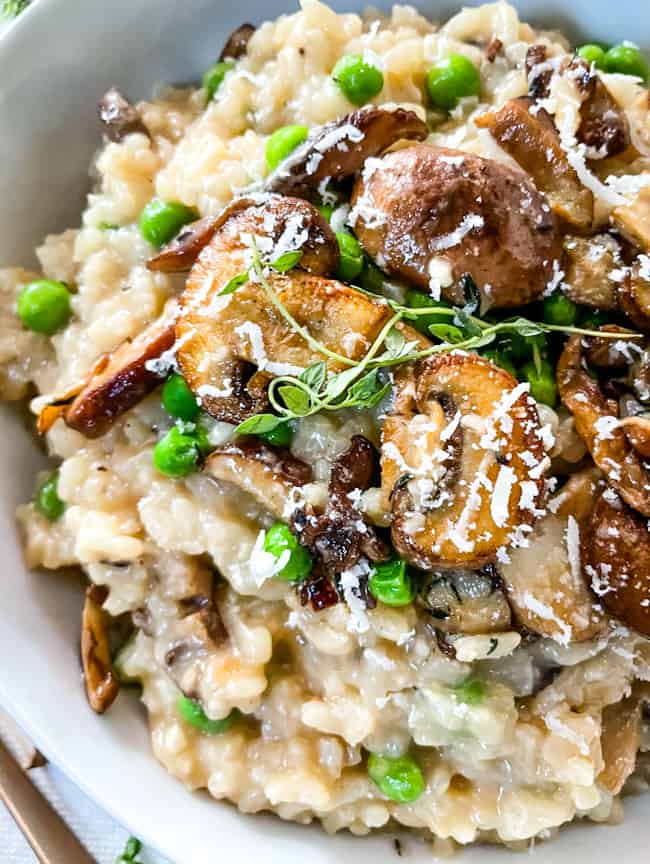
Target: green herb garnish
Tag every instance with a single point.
(362, 385)
(131, 852)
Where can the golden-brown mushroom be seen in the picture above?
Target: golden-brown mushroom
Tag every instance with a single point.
(633, 220)
(462, 462)
(339, 149)
(545, 587)
(195, 632)
(634, 293)
(267, 473)
(466, 601)
(340, 536)
(125, 380)
(637, 432)
(119, 117)
(237, 43)
(532, 141)
(102, 685)
(620, 740)
(219, 335)
(117, 382)
(589, 263)
(429, 214)
(576, 497)
(603, 128)
(596, 420)
(615, 553)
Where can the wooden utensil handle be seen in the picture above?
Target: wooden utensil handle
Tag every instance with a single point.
(48, 835)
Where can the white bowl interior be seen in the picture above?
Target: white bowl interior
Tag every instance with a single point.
(55, 62)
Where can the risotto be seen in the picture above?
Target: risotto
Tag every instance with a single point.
(346, 380)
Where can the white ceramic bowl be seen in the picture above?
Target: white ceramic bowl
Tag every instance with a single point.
(55, 62)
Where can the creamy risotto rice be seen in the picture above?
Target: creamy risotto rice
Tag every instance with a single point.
(508, 675)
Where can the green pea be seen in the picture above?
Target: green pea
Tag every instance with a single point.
(543, 386)
(44, 306)
(213, 78)
(201, 436)
(160, 221)
(392, 583)
(592, 319)
(351, 256)
(325, 210)
(372, 279)
(592, 53)
(282, 143)
(471, 691)
(178, 400)
(400, 778)
(281, 436)
(47, 499)
(522, 348)
(501, 358)
(278, 540)
(558, 309)
(193, 714)
(177, 454)
(419, 300)
(359, 81)
(627, 60)
(452, 79)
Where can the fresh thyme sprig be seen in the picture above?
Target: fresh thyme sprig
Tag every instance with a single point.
(361, 384)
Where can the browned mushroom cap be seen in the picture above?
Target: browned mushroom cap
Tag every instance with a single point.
(634, 293)
(637, 432)
(615, 554)
(237, 43)
(102, 685)
(115, 384)
(181, 252)
(633, 220)
(422, 208)
(125, 380)
(119, 117)
(532, 141)
(267, 473)
(462, 462)
(340, 148)
(219, 334)
(588, 263)
(576, 498)
(596, 421)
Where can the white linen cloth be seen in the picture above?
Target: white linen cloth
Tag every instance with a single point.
(102, 836)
